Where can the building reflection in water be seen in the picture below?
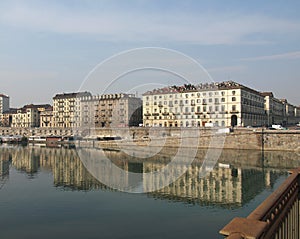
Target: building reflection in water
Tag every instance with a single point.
(5, 161)
(233, 186)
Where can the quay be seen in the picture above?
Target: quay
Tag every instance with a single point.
(240, 138)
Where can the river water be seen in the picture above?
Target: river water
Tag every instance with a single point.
(53, 193)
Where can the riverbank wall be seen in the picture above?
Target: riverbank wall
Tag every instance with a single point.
(241, 138)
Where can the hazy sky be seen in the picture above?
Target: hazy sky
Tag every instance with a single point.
(49, 47)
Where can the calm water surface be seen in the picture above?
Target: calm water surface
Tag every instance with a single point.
(48, 193)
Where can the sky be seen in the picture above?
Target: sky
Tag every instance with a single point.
(50, 47)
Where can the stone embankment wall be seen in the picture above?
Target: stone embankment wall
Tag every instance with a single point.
(258, 139)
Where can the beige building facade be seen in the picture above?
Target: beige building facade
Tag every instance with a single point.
(219, 104)
(66, 109)
(46, 118)
(28, 116)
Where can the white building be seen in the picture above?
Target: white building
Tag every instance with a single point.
(221, 104)
(275, 109)
(4, 103)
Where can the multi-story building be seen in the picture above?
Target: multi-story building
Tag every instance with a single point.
(6, 117)
(118, 110)
(66, 109)
(275, 109)
(221, 104)
(89, 109)
(46, 118)
(4, 103)
(28, 116)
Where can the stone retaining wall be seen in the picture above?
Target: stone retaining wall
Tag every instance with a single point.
(257, 139)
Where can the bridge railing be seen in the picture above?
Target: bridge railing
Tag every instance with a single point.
(276, 217)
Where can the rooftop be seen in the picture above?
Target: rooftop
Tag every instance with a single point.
(200, 87)
(71, 95)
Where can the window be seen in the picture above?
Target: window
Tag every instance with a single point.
(216, 100)
(223, 100)
(186, 95)
(233, 92)
(233, 98)
(198, 101)
(204, 108)
(233, 108)
(222, 93)
(210, 100)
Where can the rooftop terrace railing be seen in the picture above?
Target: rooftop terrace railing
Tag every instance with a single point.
(276, 217)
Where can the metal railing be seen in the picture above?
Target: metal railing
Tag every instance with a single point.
(277, 217)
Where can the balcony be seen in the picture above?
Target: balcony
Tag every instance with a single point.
(155, 114)
(165, 113)
(198, 113)
(147, 114)
(160, 105)
(234, 112)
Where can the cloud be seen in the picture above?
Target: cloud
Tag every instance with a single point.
(284, 56)
(115, 24)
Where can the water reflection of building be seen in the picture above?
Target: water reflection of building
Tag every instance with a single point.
(232, 186)
(5, 159)
(224, 186)
(67, 169)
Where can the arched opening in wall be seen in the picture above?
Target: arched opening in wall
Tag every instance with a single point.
(233, 120)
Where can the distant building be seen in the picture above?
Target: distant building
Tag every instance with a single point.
(118, 110)
(220, 104)
(4, 103)
(275, 109)
(46, 118)
(89, 109)
(28, 116)
(6, 117)
(66, 109)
